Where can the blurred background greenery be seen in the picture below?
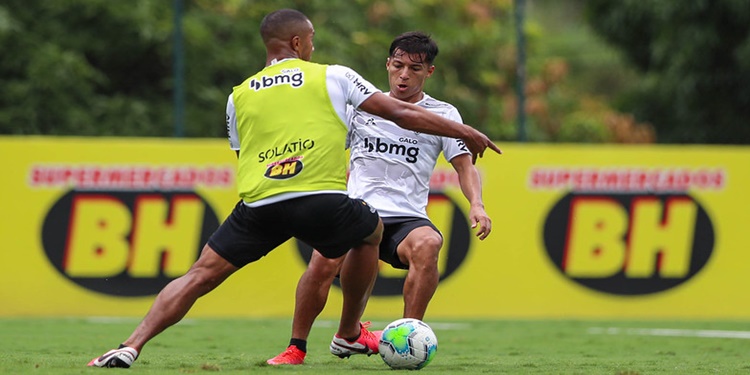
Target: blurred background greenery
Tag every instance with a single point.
(627, 71)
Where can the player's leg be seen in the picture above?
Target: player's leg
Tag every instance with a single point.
(358, 273)
(337, 225)
(419, 250)
(310, 299)
(312, 292)
(244, 237)
(176, 299)
(170, 306)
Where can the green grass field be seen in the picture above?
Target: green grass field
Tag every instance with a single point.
(240, 346)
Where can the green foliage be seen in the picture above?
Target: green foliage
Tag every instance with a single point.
(581, 127)
(693, 56)
(474, 69)
(98, 67)
(83, 67)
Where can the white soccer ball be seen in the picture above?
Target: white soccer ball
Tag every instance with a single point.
(408, 344)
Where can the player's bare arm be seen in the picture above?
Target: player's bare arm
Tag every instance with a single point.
(471, 187)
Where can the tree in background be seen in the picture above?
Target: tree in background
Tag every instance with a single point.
(695, 59)
(101, 67)
(580, 75)
(84, 67)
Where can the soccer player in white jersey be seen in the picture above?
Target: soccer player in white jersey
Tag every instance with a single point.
(310, 203)
(390, 168)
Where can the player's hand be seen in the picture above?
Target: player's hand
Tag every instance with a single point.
(477, 142)
(478, 218)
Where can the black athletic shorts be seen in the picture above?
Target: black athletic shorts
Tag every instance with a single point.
(332, 223)
(395, 229)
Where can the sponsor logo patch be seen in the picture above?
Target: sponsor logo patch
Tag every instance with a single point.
(127, 230)
(358, 83)
(284, 169)
(380, 146)
(292, 77)
(628, 232)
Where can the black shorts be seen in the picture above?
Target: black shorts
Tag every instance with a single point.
(395, 229)
(332, 223)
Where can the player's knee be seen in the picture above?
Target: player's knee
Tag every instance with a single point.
(429, 244)
(424, 253)
(323, 268)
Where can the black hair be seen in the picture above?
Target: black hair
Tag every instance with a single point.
(282, 24)
(415, 42)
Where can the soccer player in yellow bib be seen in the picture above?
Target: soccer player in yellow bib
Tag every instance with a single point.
(287, 125)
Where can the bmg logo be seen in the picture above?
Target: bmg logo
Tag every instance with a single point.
(379, 146)
(295, 80)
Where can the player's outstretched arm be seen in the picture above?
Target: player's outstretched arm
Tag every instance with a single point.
(413, 117)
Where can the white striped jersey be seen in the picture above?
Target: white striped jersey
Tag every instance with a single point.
(390, 167)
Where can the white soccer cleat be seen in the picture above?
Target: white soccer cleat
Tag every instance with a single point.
(122, 357)
(367, 343)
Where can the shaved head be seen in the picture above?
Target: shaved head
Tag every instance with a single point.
(284, 24)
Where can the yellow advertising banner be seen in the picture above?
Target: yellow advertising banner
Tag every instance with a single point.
(97, 226)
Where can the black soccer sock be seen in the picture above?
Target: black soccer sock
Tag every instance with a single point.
(125, 346)
(353, 339)
(299, 343)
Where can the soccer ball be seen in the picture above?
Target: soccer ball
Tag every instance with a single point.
(408, 344)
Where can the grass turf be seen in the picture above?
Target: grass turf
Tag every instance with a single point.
(240, 346)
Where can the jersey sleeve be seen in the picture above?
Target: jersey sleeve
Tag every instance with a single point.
(350, 133)
(453, 147)
(234, 139)
(354, 88)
